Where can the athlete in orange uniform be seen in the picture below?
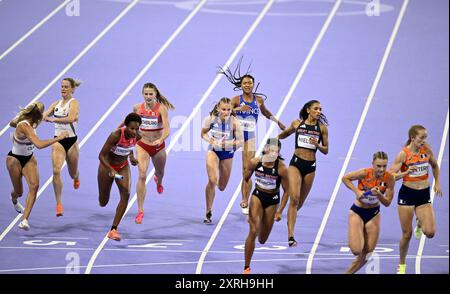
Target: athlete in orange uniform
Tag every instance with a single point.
(375, 185)
(414, 195)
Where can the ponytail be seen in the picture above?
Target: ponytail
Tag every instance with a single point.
(412, 132)
(161, 99)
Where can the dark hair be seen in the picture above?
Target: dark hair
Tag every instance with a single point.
(235, 77)
(413, 131)
(73, 83)
(304, 112)
(379, 155)
(273, 142)
(160, 97)
(133, 117)
(215, 110)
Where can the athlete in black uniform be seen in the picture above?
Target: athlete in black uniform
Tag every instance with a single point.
(311, 134)
(270, 171)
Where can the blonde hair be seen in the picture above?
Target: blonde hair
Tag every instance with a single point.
(33, 112)
(215, 110)
(380, 155)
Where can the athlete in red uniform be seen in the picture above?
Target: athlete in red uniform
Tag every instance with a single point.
(154, 130)
(114, 166)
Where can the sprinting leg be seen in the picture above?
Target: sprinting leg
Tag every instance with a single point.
(15, 174)
(124, 189)
(72, 164)
(256, 213)
(224, 173)
(143, 158)
(295, 182)
(425, 216)
(267, 223)
(212, 169)
(104, 182)
(406, 214)
(31, 174)
(371, 232)
(58, 158)
(159, 162)
(248, 152)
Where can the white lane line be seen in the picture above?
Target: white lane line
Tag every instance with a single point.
(46, 248)
(194, 262)
(54, 237)
(186, 123)
(355, 137)
(272, 126)
(439, 161)
(44, 20)
(79, 56)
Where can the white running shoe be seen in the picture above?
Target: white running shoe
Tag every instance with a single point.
(17, 206)
(24, 225)
(245, 210)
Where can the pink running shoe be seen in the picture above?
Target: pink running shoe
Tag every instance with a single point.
(114, 235)
(159, 188)
(139, 218)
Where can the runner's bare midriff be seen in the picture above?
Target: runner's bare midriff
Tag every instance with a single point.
(149, 137)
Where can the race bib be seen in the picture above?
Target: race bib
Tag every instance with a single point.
(218, 135)
(247, 125)
(421, 170)
(122, 151)
(369, 199)
(267, 184)
(303, 141)
(149, 123)
(60, 127)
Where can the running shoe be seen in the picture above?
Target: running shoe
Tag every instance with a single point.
(76, 183)
(139, 218)
(114, 235)
(17, 206)
(401, 269)
(59, 210)
(24, 225)
(247, 271)
(208, 220)
(159, 188)
(292, 242)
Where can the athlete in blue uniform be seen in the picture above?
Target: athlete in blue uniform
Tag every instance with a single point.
(247, 107)
(223, 133)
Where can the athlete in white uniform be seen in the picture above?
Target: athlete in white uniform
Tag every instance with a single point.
(21, 161)
(64, 114)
